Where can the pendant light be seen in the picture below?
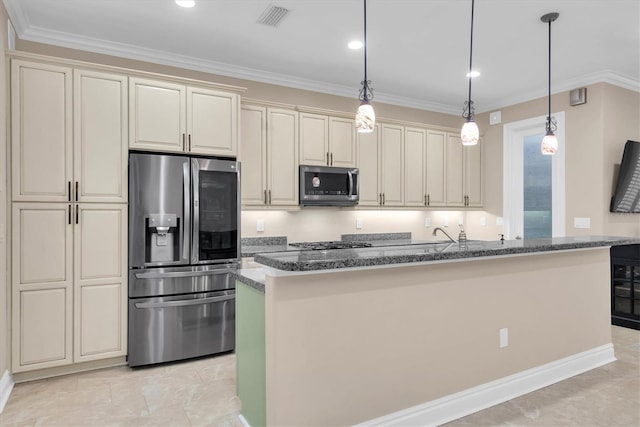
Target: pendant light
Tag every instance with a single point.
(469, 133)
(549, 143)
(365, 117)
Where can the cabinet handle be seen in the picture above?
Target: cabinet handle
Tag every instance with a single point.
(76, 191)
(428, 199)
(425, 200)
(331, 157)
(265, 197)
(269, 196)
(77, 209)
(183, 143)
(69, 208)
(189, 139)
(379, 198)
(327, 158)
(383, 199)
(69, 191)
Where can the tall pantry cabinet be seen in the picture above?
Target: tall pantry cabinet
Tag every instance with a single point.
(69, 214)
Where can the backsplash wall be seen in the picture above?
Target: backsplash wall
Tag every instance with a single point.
(328, 223)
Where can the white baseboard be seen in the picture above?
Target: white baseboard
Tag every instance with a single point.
(457, 405)
(6, 385)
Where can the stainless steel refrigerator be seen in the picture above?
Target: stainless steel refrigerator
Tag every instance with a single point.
(184, 243)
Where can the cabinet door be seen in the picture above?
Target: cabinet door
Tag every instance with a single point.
(282, 157)
(41, 285)
(342, 142)
(369, 166)
(314, 139)
(100, 137)
(473, 174)
(253, 155)
(156, 115)
(392, 159)
(435, 168)
(212, 122)
(41, 131)
(454, 181)
(414, 171)
(100, 281)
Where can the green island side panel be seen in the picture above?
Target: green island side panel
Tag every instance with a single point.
(250, 354)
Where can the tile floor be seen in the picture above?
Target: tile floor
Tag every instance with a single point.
(202, 393)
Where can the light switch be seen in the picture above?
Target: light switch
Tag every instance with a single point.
(427, 222)
(445, 222)
(260, 225)
(359, 223)
(499, 221)
(483, 221)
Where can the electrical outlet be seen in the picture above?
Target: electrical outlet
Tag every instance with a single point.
(499, 221)
(260, 225)
(581, 222)
(460, 221)
(483, 221)
(504, 337)
(427, 222)
(445, 222)
(359, 223)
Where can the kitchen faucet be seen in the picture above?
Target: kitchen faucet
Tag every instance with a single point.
(445, 233)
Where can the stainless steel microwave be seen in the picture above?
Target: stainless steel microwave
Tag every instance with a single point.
(328, 186)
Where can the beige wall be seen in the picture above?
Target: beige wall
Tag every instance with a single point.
(4, 279)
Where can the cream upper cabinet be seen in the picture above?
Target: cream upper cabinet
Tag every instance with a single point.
(269, 156)
(327, 140)
(100, 137)
(415, 147)
(253, 155)
(435, 171)
(69, 283)
(314, 139)
(464, 173)
(212, 122)
(166, 116)
(42, 285)
(282, 157)
(392, 165)
(41, 131)
(342, 142)
(473, 174)
(100, 281)
(55, 161)
(369, 166)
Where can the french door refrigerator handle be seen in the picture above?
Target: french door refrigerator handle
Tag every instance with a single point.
(156, 275)
(195, 196)
(186, 230)
(182, 303)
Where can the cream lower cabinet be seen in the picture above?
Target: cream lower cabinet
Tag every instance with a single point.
(327, 140)
(69, 283)
(369, 166)
(464, 173)
(55, 161)
(167, 116)
(269, 156)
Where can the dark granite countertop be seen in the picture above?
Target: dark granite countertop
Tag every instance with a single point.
(424, 252)
(256, 245)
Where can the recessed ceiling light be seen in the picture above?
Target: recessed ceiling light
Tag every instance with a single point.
(186, 3)
(473, 73)
(356, 44)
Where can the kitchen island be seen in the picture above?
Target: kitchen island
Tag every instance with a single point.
(417, 334)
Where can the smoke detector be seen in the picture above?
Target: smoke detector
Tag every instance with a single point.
(272, 16)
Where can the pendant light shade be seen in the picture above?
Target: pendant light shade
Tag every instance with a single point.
(470, 134)
(549, 145)
(365, 117)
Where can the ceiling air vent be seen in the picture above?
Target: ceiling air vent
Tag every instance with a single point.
(272, 16)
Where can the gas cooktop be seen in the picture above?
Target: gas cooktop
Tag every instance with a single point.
(330, 245)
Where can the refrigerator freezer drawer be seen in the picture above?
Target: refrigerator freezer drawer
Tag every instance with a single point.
(154, 282)
(164, 329)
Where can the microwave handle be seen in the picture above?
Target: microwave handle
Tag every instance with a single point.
(350, 183)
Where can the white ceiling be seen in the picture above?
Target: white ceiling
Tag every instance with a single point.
(418, 50)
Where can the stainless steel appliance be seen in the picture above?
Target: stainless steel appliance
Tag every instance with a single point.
(328, 186)
(184, 242)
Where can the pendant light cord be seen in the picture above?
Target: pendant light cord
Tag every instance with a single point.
(549, 97)
(365, 42)
(470, 57)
